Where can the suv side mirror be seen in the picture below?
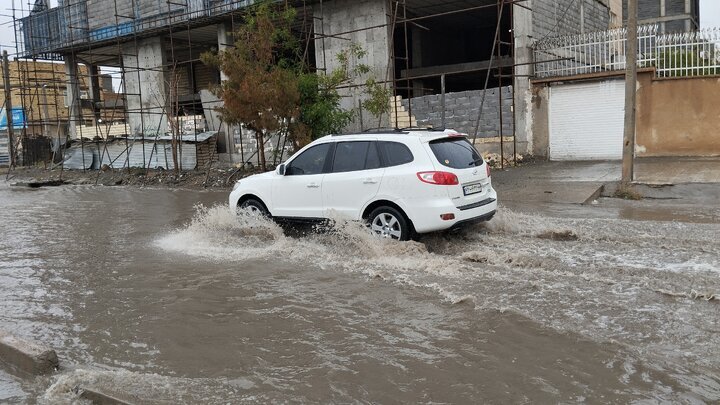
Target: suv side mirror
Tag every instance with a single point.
(281, 169)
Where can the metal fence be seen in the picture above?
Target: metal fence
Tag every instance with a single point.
(67, 25)
(689, 54)
(686, 54)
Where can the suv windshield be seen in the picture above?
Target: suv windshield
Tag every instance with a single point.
(457, 153)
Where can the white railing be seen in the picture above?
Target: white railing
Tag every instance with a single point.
(688, 54)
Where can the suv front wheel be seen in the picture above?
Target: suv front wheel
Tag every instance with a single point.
(387, 222)
(254, 207)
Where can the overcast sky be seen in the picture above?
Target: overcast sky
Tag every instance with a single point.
(709, 17)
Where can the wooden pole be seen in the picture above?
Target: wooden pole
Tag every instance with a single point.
(630, 93)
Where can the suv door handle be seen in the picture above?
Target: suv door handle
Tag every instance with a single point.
(369, 181)
(313, 185)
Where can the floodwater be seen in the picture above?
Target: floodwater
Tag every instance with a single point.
(154, 300)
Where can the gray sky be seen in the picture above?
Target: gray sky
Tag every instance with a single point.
(709, 17)
(710, 13)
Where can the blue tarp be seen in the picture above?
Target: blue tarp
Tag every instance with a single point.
(18, 117)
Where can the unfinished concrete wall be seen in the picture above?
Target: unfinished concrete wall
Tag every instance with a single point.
(565, 17)
(678, 117)
(338, 16)
(146, 87)
(461, 111)
(670, 15)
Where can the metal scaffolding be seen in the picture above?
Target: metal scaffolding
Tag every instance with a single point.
(50, 44)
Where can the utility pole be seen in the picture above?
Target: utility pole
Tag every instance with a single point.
(8, 108)
(630, 93)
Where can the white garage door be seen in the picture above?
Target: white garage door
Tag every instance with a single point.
(586, 120)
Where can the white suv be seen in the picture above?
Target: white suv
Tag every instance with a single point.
(400, 183)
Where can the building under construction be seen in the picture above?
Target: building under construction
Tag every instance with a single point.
(463, 64)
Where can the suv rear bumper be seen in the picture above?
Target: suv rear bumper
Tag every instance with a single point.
(481, 218)
(427, 216)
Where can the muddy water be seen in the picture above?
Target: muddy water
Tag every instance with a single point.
(153, 300)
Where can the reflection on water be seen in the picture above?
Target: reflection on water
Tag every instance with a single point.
(149, 298)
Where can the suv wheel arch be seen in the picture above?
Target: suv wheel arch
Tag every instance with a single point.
(386, 203)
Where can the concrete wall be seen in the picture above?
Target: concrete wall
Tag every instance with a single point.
(678, 117)
(564, 17)
(663, 11)
(344, 15)
(547, 18)
(675, 117)
(461, 111)
(101, 13)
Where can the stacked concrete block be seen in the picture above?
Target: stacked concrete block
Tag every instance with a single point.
(399, 116)
(461, 111)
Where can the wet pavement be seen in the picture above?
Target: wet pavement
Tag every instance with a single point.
(154, 300)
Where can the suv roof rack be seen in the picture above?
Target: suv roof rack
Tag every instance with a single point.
(387, 130)
(391, 131)
(429, 129)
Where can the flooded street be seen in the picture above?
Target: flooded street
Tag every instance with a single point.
(154, 300)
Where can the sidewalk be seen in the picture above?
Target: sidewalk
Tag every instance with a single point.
(579, 182)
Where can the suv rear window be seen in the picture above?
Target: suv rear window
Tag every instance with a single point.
(457, 153)
(395, 153)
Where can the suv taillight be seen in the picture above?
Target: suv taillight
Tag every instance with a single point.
(439, 178)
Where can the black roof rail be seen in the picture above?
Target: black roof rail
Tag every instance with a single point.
(390, 131)
(387, 130)
(429, 129)
(375, 131)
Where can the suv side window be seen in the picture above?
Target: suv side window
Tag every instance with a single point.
(350, 156)
(312, 161)
(395, 153)
(355, 156)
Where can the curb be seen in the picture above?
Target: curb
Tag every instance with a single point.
(594, 196)
(98, 398)
(26, 356)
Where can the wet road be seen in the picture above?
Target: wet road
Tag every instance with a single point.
(573, 305)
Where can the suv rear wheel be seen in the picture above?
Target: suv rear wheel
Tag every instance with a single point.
(387, 222)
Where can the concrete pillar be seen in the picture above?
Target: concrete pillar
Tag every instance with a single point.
(73, 95)
(146, 86)
(338, 16)
(226, 142)
(663, 13)
(94, 81)
(416, 47)
(522, 31)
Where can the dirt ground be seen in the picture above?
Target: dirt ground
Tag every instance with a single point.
(217, 178)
